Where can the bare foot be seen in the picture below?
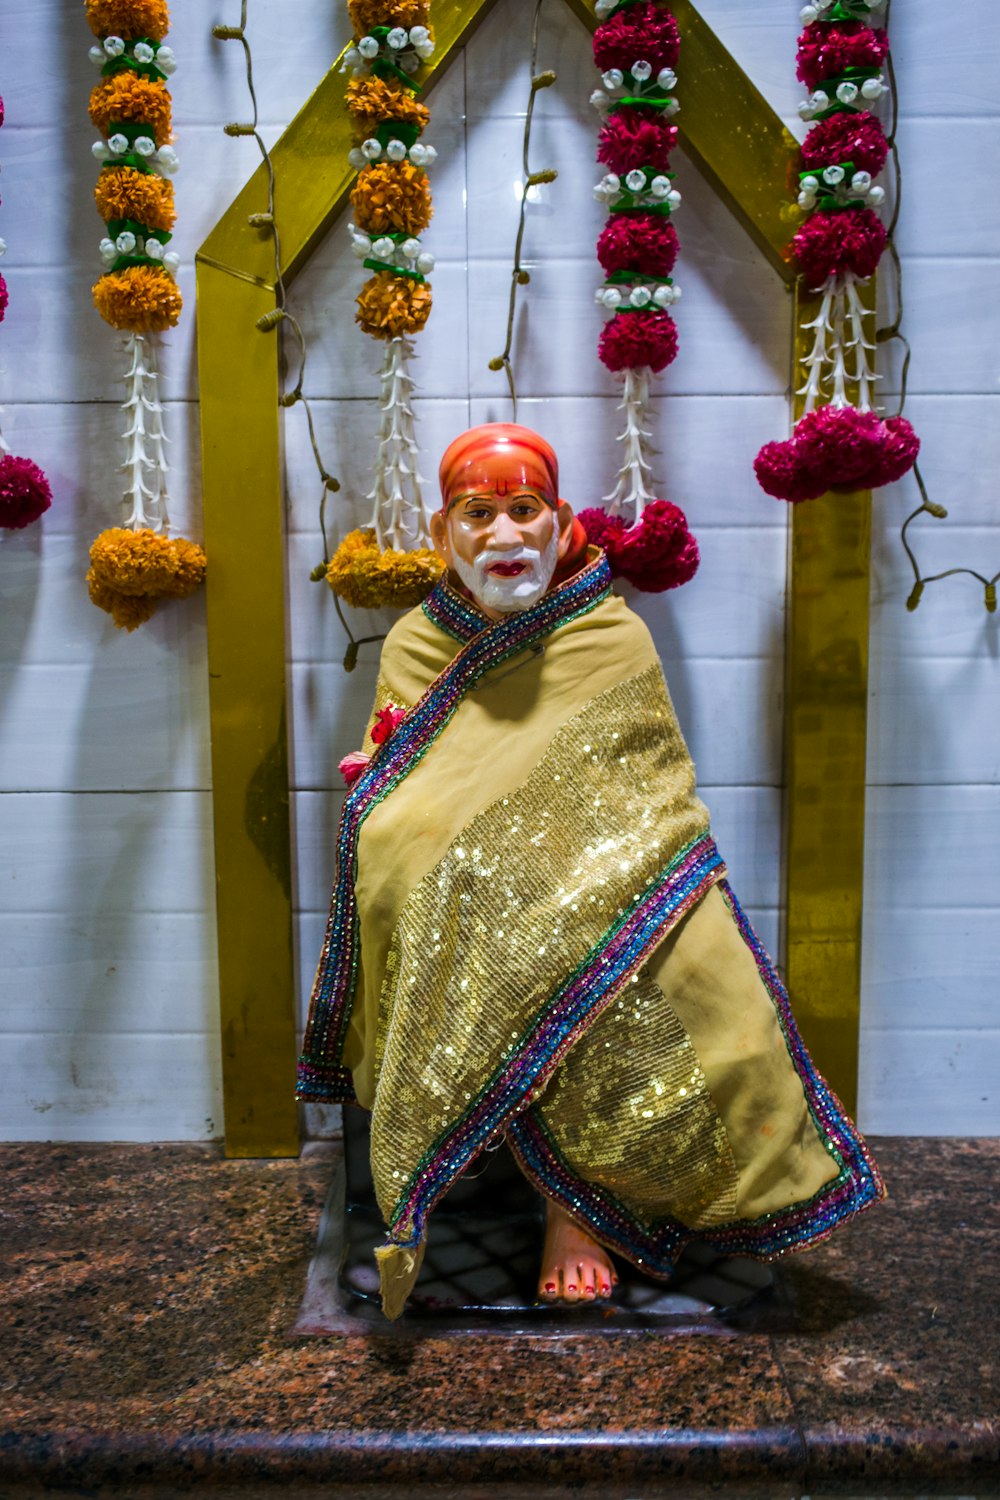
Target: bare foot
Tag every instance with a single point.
(574, 1267)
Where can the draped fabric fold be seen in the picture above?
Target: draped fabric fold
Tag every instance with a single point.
(531, 937)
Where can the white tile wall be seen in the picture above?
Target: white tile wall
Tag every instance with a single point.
(107, 926)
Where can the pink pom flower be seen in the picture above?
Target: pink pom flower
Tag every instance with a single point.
(643, 31)
(655, 554)
(387, 721)
(631, 139)
(25, 493)
(830, 244)
(826, 50)
(857, 138)
(840, 449)
(631, 340)
(4, 299)
(646, 243)
(353, 765)
(603, 530)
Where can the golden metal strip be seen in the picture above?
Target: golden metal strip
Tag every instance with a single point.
(241, 476)
(730, 133)
(310, 165)
(241, 479)
(826, 710)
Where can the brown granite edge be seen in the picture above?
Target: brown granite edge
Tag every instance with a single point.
(965, 1456)
(96, 1458)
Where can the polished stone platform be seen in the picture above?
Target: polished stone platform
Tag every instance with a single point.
(150, 1295)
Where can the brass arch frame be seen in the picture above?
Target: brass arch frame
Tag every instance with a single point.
(739, 144)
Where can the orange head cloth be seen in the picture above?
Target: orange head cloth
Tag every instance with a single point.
(498, 455)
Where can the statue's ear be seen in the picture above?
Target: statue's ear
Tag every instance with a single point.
(564, 520)
(439, 536)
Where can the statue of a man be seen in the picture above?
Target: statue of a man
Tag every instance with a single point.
(531, 935)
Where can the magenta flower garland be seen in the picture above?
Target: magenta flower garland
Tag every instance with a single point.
(25, 493)
(636, 47)
(838, 445)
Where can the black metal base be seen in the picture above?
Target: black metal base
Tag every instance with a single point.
(483, 1252)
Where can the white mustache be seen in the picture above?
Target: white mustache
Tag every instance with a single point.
(531, 556)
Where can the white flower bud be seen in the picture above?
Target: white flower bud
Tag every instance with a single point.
(872, 88)
(833, 175)
(876, 195)
(145, 145)
(383, 247)
(125, 243)
(166, 61)
(641, 70)
(431, 155)
(418, 154)
(419, 34)
(97, 56)
(600, 100)
(352, 59)
(660, 187)
(396, 151)
(408, 62)
(809, 184)
(425, 262)
(674, 198)
(808, 13)
(368, 47)
(613, 78)
(118, 143)
(167, 160)
(663, 296)
(666, 78)
(171, 262)
(154, 249)
(356, 158)
(143, 52)
(612, 297)
(635, 181)
(677, 293)
(114, 46)
(424, 49)
(805, 109)
(100, 149)
(806, 200)
(371, 149)
(397, 39)
(847, 92)
(639, 296)
(108, 250)
(599, 296)
(603, 8)
(861, 182)
(671, 107)
(410, 248)
(818, 99)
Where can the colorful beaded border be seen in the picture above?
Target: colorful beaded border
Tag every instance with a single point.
(654, 1248)
(320, 1074)
(446, 609)
(530, 1063)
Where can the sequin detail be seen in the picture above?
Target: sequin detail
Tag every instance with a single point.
(450, 612)
(321, 1075)
(530, 1063)
(654, 1248)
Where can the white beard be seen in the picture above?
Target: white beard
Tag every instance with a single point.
(508, 595)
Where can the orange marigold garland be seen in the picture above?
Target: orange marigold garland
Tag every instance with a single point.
(135, 566)
(390, 561)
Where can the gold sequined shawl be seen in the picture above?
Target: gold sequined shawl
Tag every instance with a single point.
(540, 949)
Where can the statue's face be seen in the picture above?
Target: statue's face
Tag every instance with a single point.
(504, 541)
